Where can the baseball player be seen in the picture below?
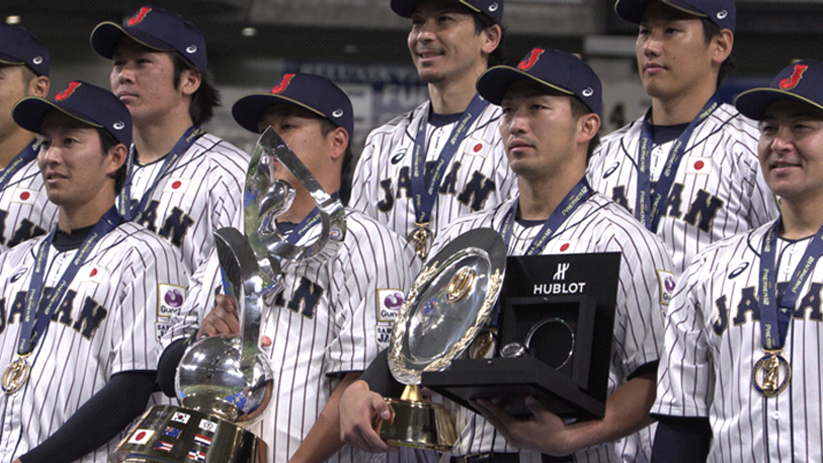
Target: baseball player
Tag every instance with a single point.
(25, 211)
(688, 169)
(335, 313)
(79, 306)
(742, 380)
(443, 160)
(551, 104)
(185, 183)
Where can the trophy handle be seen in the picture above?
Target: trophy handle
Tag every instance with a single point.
(266, 242)
(243, 282)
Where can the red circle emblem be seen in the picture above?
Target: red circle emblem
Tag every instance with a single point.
(478, 147)
(177, 184)
(699, 165)
(93, 272)
(564, 248)
(140, 435)
(25, 195)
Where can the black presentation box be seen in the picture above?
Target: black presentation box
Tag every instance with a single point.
(549, 297)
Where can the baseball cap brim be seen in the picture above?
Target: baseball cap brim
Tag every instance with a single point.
(107, 35)
(10, 60)
(29, 113)
(753, 103)
(405, 8)
(633, 10)
(494, 83)
(249, 110)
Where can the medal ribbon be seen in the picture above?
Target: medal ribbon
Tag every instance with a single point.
(574, 198)
(775, 315)
(649, 205)
(424, 197)
(306, 224)
(135, 212)
(36, 314)
(26, 156)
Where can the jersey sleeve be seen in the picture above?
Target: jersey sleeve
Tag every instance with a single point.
(203, 285)
(685, 374)
(371, 275)
(645, 271)
(364, 180)
(153, 280)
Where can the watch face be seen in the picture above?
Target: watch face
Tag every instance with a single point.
(551, 340)
(449, 303)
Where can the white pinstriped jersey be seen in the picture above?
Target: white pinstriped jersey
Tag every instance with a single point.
(713, 339)
(477, 178)
(25, 209)
(718, 189)
(200, 194)
(598, 225)
(106, 325)
(332, 318)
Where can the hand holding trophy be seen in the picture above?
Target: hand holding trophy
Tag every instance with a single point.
(224, 381)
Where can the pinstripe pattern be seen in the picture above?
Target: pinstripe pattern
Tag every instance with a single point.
(381, 187)
(25, 210)
(719, 168)
(598, 225)
(74, 360)
(316, 343)
(708, 371)
(206, 185)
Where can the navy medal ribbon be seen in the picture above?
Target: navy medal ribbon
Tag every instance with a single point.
(649, 204)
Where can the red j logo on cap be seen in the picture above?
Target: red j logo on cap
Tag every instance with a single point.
(67, 91)
(283, 84)
(530, 60)
(791, 82)
(139, 16)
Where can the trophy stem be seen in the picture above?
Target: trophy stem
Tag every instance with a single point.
(412, 392)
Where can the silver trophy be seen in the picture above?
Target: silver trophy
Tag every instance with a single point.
(443, 314)
(223, 382)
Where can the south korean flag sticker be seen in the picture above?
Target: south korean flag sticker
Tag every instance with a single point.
(181, 417)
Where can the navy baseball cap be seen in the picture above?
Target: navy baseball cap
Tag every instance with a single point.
(19, 47)
(720, 12)
(156, 29)
(315, 93)
(802, 81)
(490, 8)
(560, 71)
(85, 102)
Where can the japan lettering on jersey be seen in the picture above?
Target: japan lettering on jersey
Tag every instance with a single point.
(105, 325)
(200, 194)
(25, 209)
(717, 191)
(598, 225)
(478, 177)
(713, 336)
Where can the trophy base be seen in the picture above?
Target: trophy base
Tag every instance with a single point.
(169, 434)
(507, 382)
(421, 425)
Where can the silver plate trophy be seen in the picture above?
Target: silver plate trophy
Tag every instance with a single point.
(450, 301)
(224, 382)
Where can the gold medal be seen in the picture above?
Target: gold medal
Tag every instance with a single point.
(16, 375)
(771, 374)
(422, 239)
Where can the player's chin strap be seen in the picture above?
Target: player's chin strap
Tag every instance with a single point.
(253, 264)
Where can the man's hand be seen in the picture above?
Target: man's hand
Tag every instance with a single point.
(543, 432)
(223, 319)
(360, 408)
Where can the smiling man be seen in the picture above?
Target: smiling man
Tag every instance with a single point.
(78, 305)
(742, 382)
(443, 160)
(688, 169)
